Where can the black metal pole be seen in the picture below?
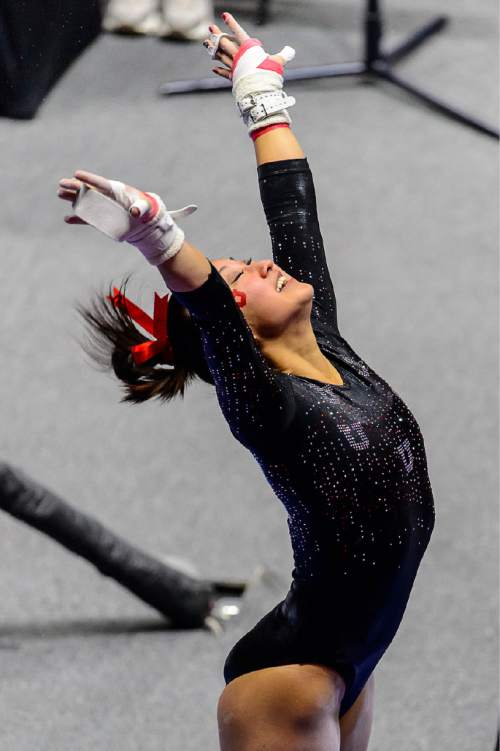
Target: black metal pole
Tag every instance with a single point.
(262, 12)
(435, 103)
(376, 63)
(421, 35)
(183, 599)
(373, 32)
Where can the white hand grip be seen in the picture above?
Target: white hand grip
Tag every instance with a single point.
(102, 213)
(186, 211)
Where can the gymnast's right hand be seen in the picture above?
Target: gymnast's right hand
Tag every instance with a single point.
(133, 200)
(150, 227)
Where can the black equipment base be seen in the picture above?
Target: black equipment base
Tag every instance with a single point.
(377, 65)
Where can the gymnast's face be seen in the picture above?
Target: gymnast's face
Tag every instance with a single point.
(267, 310)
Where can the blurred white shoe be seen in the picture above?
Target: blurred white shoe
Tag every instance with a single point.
(188, 19)
(135, 17)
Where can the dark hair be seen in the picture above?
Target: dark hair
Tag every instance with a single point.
(111, 333)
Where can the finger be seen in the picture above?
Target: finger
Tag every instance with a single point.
(96, 181)
(74, 220)
(221, 45)
(237, 30)
(226, 59)
(140, 207)
(223, 72)
(229, 46)
(70, 183)
(67, 195)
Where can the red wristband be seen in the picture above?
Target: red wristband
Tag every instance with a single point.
(260, 132)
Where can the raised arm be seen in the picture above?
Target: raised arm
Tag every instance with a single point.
(285, 180)
(289, 201)
(255, 403)
(151, 227)
(276, 145)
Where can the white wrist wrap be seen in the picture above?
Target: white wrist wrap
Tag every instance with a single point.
(256, 109)
(158, 238)
(258, 87)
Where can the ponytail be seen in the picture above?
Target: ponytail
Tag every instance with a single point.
(111, 333)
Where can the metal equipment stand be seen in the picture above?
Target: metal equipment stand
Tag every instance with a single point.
(377, 65)
(188, 602)
(262, 12)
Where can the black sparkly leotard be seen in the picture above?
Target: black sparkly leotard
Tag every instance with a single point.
(348, 463)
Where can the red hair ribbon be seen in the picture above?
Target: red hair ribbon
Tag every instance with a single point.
(156, 326)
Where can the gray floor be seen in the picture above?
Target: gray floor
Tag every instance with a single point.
(409, 204)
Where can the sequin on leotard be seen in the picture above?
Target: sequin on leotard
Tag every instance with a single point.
(347, 462)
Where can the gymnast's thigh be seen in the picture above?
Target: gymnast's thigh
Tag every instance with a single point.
(356, 723)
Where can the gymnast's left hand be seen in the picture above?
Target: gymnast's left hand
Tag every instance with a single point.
(229, 46)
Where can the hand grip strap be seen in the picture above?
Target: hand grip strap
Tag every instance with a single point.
(157, 237)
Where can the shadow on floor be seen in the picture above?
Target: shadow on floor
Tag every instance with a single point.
(12, 634)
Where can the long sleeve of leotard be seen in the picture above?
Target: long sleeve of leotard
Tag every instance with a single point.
(257, 404)
(289, 201)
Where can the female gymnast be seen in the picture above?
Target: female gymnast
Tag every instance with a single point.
(339, 448)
